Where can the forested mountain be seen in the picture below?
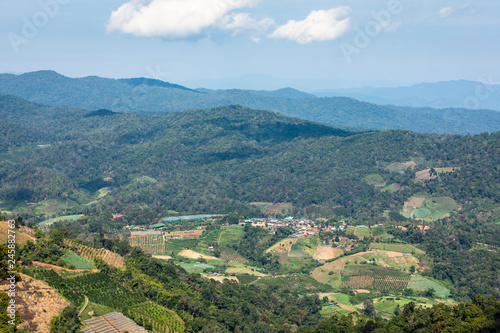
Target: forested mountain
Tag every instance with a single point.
(63, 161)
(449, 94)
(146, 96)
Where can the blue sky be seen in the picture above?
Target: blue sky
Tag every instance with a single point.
(309, 45)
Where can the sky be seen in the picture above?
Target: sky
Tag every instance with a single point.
(255, 44)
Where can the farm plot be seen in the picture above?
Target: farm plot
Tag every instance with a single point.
(327, 253)
(77, 261)
(350, 230)
(161, 319)
(87, 252)
(195, 267)
(284, 208)
(230, 235)
(359, 281)
(391, 284)
(51, 221)
(397, 247)
(52, 206)
(363, 232)
(195, 255)
(419, 283)
(152, 244)
(298, 282)
(240, 269)
(231, 255)
(392, 259)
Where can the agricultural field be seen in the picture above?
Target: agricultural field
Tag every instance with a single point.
(36, 303)
(52, 206)
(297, 282)
(229, 254)
(392, 259)
(375, 180)
(327, 253)
(386, 306)
(350, 230)
(50, 221)
(285, 208)
(397, 247)
(230, 235)
(87, 252)
(304, 247)
(221, 278)
(96, 310)
(237, 269)
(98, 287)
(263, 206)
(363, 232)
(195, 267)
(424, 175)
(77, 261)
(160, 318)
(195, 255)
(429, 208)
(419, 283)
(152, 244)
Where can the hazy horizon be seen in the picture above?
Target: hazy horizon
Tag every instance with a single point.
(252, 44)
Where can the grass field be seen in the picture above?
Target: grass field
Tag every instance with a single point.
(52, 206)
(236, 268)
(375, 180)
(392, 259)
(60, 218)
(21, 238)
(363, 232)
(387, 307)
(350, 230)
(388, 188)
(98, 310)
(230, 235)
(396, 247)
(194, 267)
(419, 283)
(77, 261)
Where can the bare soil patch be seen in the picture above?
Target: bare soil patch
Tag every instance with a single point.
(195, 255)
(327, 253)
(362, 291)
(162, 257)
(58, 268)
(36, 303)
(412, 204)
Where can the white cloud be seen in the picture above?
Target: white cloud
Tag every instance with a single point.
(244, 21)
(446, 11)
(319, 25)
(465, 9)
(174, 19)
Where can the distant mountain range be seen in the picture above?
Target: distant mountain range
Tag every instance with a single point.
(148, 96)
(450, 94)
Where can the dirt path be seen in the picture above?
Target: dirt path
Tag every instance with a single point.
(42, 264)
(84, 306)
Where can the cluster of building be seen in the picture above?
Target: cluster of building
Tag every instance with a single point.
(303, 227)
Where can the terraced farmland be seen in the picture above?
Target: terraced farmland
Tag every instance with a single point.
(110, 258)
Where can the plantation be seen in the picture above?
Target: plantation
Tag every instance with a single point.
(98, 287)
(161, 319)
(152, 244)
(391, 284)
(98, 310)
(231, 255)
(87, 252)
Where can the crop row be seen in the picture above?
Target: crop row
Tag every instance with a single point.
(161, 319)
(110, 258)
(391, 283)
